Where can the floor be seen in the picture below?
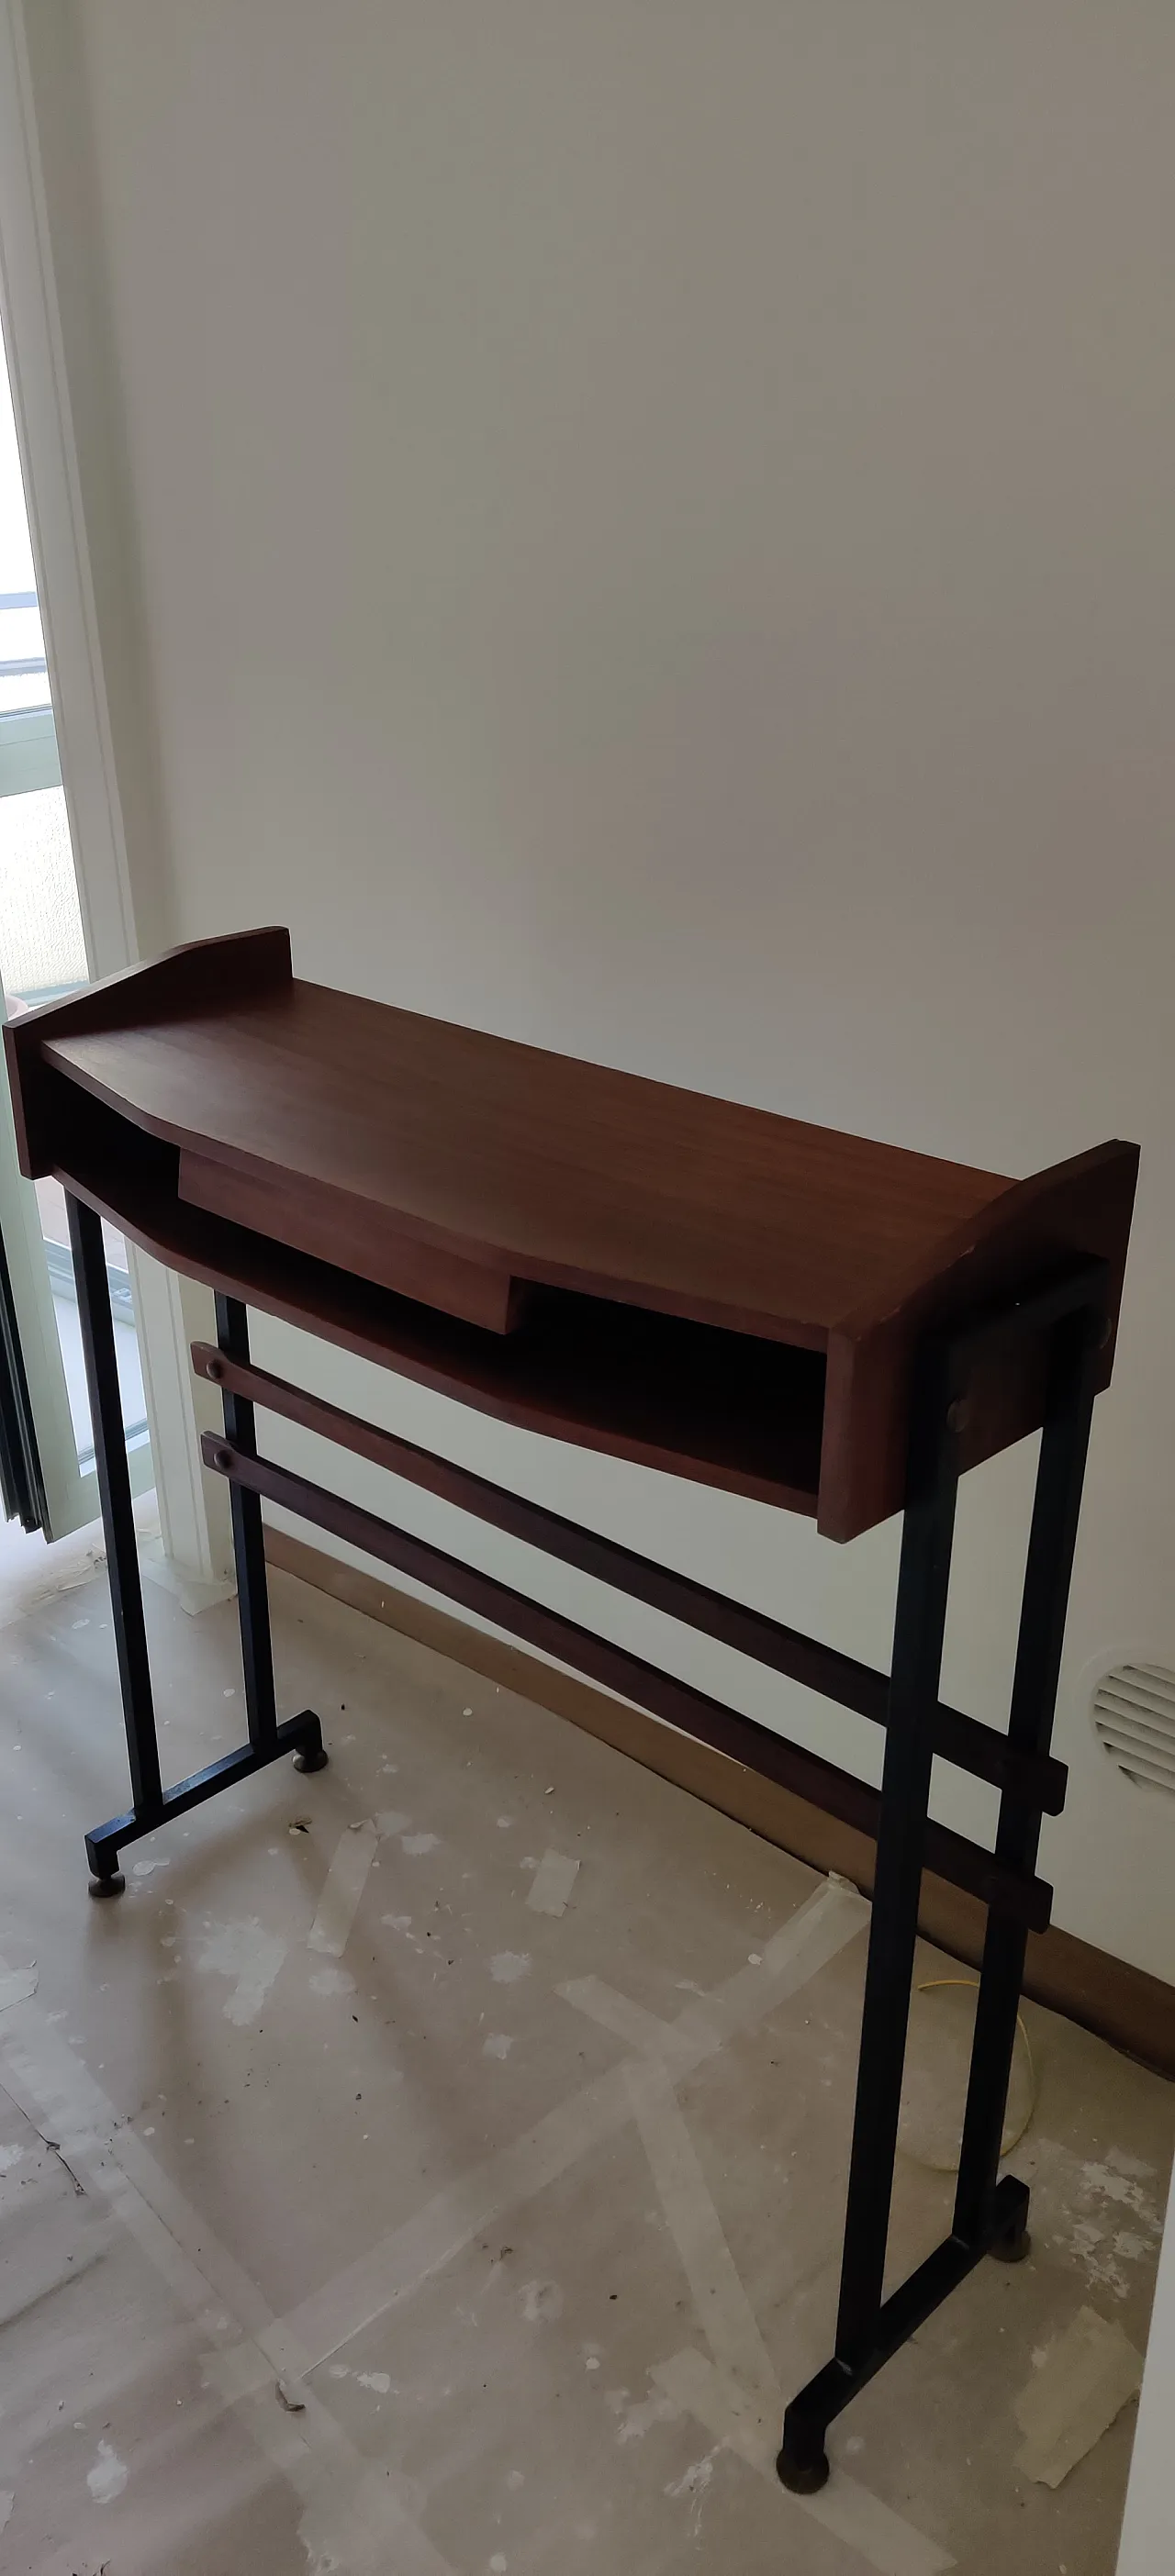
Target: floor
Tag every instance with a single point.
(436, 2165)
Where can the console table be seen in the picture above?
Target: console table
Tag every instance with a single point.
(831, 1326)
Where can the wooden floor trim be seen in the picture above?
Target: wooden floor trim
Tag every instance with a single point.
(1123, 2004)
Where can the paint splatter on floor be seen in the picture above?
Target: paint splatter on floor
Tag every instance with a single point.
(508, 1966)
(108, 2476)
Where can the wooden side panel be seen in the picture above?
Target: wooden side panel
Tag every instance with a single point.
(203, 975)
(1079, 1207)
(333, 1226)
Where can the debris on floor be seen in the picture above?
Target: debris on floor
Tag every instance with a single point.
(384, 2231)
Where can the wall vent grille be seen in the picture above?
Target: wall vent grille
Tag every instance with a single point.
(1134, 1719)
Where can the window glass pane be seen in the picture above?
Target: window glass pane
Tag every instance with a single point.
(42, 949)
(42, 954)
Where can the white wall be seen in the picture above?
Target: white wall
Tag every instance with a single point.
(650, 530)
(1146, 2529)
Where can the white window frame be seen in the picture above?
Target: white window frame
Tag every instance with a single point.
(195, 1536)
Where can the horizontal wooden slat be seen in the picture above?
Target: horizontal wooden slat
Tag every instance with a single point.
(1123, 2004)
(964, 1863)
(959, 1739)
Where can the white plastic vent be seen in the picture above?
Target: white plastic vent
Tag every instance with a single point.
(1134, 1716)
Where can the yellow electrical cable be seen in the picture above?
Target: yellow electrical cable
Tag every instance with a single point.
(927, 1987)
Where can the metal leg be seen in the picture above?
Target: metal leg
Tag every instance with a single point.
(114, 1487)
(1051, 1545)
(302, 1736)
(991, 2215)
(919, 1625)
(232, 1334)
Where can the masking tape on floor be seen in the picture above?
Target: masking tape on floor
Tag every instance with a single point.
(1090, 2374)
(353, 2510)
(352, 2513)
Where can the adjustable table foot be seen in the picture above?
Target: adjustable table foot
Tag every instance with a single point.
(802, 2464)
(107, 1883)
(1011, 2249)
(311, 1757)
(802, 2477)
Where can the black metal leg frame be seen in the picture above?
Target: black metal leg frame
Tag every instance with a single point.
(990, 2215)
(152, 1804)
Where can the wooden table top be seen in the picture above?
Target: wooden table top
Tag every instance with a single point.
(537, 1164)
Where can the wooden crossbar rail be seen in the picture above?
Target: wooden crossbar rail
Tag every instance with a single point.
(962, 1740)
(1019, 1895)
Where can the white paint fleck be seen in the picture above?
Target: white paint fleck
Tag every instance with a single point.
(143, 1868)
(504, 1824)
(1084, 2205)
(108, 2476)
(229, 1694)
(515, 2479)
(754, 1958)
(332, 1981)
(338, 2370)
(657, 2409)
(498, 2564)
(1131, 2247)
(417, 1844)
(695, 2482)
(9, 2156)
(252, 1956)
(378, 2380)
(542, 2302)
(1102, 2181)
(498, 2044)
(508, 1966)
